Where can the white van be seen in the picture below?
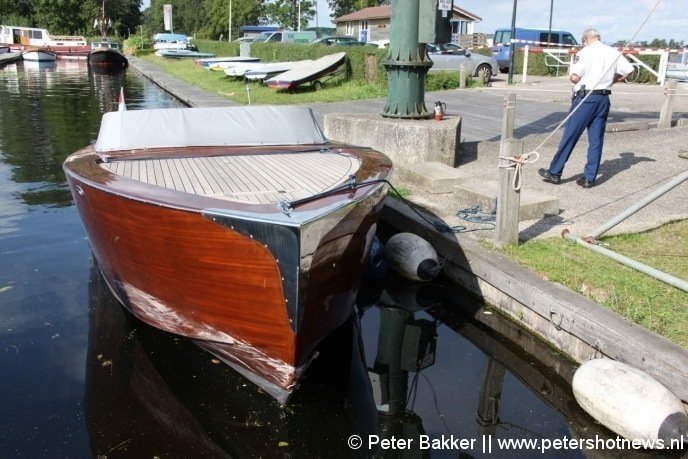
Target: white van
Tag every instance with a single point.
(285, 36)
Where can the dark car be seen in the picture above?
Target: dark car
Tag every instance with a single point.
(339, 40)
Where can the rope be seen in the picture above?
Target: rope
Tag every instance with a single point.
(516, 163)
(472, 214)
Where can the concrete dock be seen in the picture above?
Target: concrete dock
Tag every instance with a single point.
(635, 162)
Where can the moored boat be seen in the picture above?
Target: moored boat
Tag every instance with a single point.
(241, 228)
(64, 46)
(39, 55)
(7, 56)
(107, 53)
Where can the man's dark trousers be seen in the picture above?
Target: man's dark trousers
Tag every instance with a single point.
(592, 114)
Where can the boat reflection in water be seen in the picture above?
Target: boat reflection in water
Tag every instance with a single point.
(437, 365)
(154, 394)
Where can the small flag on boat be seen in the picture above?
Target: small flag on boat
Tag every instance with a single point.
(122, 106)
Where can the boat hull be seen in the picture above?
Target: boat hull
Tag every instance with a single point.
(258, 291)
(107, 57)
(39, 56)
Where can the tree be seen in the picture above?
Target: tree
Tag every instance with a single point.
(342, 7)
(286, 13)
(244, 12)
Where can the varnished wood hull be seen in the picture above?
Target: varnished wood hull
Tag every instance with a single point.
(257, 288)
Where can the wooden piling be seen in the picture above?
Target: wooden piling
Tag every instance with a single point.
(666, 114)
(509, 199)
(508, 116)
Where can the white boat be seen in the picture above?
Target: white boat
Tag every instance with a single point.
(270, 69)
(310, 73)
(182, 53)
(239, 69)
(210, 61)
(33, 36)
(171, 41)
(39, 55)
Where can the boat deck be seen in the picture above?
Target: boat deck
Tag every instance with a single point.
(253, 179)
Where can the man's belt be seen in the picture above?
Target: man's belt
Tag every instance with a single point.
(598, 92)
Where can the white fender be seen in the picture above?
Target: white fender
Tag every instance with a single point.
(630, 402)
(412, 256)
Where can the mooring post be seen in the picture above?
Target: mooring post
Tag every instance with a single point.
(666, 113)
(462, 76)
(508, 116)
(508, 199)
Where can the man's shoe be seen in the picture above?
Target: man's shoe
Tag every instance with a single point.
(585, 183)
(547, 177)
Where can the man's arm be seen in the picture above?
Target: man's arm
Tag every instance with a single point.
(574, 78)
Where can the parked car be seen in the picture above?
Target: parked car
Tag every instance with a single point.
(378, 43)
(448, 56)
(337, 40)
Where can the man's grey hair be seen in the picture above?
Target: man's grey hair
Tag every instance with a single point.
(591, 33)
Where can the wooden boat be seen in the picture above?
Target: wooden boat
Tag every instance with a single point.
(39, 55)
(107, 53)
(311, 73)
(241, 228)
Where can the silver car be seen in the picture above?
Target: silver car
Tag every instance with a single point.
(448, 56)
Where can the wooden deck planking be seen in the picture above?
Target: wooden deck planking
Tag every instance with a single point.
(245, 178)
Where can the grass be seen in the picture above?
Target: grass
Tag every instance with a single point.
(334, 90)
(644, 300)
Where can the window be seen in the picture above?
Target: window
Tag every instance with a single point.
(349, 28)
(503, 36)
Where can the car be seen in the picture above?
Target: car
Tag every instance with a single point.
(337, 40)
(378, 43)
(449, 56)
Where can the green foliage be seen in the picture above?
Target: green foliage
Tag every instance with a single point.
(62, 17)
(207, 19)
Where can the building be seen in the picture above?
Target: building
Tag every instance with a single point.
(372, 23)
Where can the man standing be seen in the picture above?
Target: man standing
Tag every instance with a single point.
(598, 67)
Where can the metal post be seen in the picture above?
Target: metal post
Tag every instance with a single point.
(549, 31)
(643, 268)
(407, 64)
(229, 23)
(512, 44)
(670, 185)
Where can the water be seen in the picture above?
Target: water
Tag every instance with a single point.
(83, 378)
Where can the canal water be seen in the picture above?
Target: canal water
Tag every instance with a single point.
(421, 371)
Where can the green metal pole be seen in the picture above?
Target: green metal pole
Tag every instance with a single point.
(407, 64)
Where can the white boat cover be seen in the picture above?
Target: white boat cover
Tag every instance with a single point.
(188, 127)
